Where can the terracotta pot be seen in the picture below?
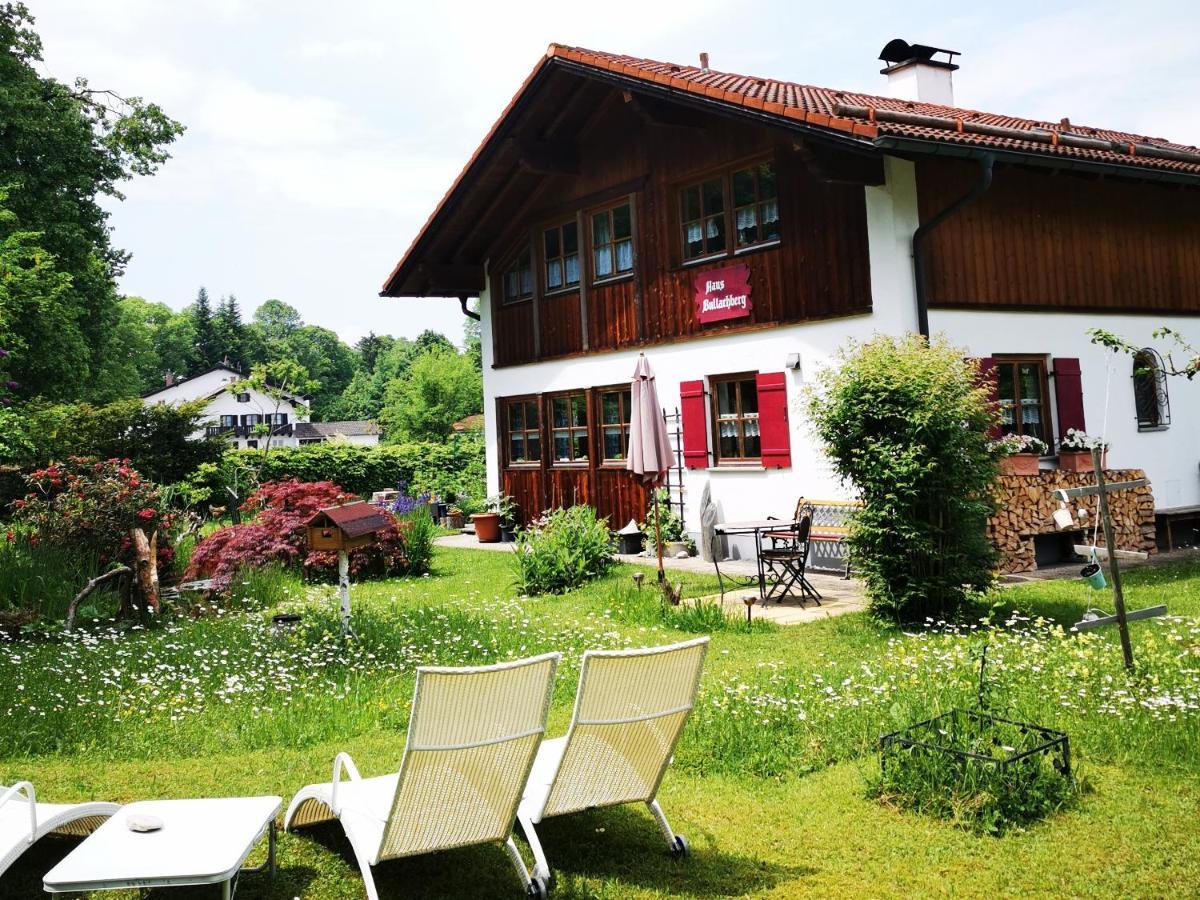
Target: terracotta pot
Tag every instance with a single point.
(487, 527)
(1019, 464)
(1079, 460)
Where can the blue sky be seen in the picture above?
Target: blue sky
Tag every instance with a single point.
(320, 136)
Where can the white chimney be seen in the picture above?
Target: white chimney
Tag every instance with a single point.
(914, 74)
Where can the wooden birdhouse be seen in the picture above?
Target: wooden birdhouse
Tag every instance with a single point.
(345, 527)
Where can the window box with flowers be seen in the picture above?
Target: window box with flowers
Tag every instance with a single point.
(1019, 454)
(1075, 452)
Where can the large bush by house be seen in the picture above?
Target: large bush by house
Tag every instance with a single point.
(906, 424)
(562, 550)
(277, 536)
(451, 468)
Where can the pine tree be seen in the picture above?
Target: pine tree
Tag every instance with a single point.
(206, 351)
(231, 337)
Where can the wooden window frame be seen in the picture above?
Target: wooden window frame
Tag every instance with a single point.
(566, 288)
(506, 432)
(724, 174)
(606, 461)
(514, 263)
(571, 429)
(714, 410)
(756, 204)
(608, 209)
(1042, 361)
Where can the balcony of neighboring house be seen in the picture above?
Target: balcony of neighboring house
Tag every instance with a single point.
(251, 426)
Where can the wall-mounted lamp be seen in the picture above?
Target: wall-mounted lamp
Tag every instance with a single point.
(793, 362)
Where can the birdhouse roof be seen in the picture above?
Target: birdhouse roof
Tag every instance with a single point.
(354, 519)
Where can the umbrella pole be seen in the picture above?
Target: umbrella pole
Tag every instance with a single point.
(658, 538)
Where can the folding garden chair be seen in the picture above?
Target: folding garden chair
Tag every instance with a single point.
(472, 738)
(629, 712)
(786, 560)
(24, 821)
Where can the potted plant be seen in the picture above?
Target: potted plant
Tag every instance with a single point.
(506, 506)
(488, 523)
(1019, 453)
(454, 517)
(1075, 451)
(674, 541)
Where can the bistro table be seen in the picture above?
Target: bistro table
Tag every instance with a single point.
(758, 528)
(200, 842)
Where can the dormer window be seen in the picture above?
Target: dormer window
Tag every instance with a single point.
(612, 242)
(518, 278)
(243, 397)
(561, 245)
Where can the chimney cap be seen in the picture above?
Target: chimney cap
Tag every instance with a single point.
(898, 52)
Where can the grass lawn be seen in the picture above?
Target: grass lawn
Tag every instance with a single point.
(769, 779)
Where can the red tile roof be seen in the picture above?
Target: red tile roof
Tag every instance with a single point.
(354, 519)
(867, 119)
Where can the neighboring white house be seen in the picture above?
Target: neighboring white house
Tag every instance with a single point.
(740, 230)
(242, 413)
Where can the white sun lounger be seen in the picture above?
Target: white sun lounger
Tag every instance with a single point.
(24, 821)
(630, 709)
(472, 738)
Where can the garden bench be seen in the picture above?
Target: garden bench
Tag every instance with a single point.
(830, 526)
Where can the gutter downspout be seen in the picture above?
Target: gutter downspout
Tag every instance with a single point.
(462, 301)
(986, 161)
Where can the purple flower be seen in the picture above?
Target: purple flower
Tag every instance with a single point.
(11, 385)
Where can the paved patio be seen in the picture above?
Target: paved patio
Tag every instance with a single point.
(838, 595)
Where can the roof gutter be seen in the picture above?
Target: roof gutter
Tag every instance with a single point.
(986, 163)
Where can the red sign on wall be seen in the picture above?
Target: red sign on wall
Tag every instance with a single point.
(722, 294)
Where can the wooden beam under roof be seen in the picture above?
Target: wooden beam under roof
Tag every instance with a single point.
(664, 115)
(455, 279)
(836, 166)
(547, 157)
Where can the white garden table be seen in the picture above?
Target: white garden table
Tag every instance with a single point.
(201, 842)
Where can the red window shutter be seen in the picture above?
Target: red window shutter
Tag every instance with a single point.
(774, 435)
(1068, 394)
(987, 373)
(694, 411)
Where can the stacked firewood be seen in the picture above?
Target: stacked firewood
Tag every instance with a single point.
(1026, 505)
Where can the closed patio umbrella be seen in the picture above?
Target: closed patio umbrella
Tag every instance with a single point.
(649, 447)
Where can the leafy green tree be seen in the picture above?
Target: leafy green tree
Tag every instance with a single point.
(442, 386)
(276, 320)
(62, 148)
(39, 328)
(906, 425)
(329, 362)
(371, 347)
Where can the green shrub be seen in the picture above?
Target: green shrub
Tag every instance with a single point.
(562, 550)
(156, 440)
(906, 423)
(659, 508)
(452, 469)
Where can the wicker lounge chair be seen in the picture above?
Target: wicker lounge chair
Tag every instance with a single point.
(629, 712)
(472, 738)
(24, 821)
